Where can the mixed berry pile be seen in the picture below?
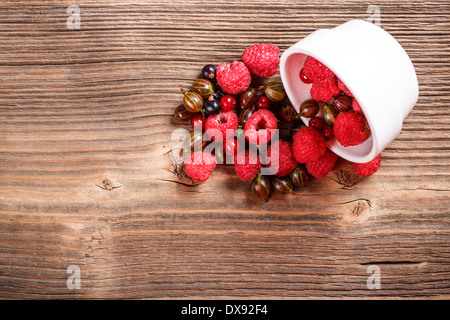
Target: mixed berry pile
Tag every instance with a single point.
(258, 130)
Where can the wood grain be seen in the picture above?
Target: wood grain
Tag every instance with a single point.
(86, 176)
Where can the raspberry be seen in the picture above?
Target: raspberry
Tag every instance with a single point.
(324, 90)
(247, 165)
(225, 122)
(369, 168)
(233, 77)
(344, 88)
(350, 129)
(322, 166)
(309, 145)
(356, 107)
(314, 70)
(200, 165)
(260, 127)
(262, 59)
(286, 160)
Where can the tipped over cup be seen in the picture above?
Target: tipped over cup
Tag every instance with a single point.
(373, 66)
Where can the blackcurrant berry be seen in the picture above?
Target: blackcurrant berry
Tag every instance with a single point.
(209, 72)
(212, 107)
(219, 93)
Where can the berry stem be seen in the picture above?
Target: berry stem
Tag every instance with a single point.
(366, 128)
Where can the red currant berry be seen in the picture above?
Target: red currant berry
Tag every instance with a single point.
(231, 147)
(263, 103)
(304, 78)
(198, 121)
(228, 103)
(317, 123)
(328, 133)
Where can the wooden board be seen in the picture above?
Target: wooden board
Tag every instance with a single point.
(86, 117)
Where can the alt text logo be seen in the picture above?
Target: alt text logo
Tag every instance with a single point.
(74, 280)
(374, 281)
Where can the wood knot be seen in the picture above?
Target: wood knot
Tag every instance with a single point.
(360, 209)
(347, 179)
(180, 172)
(107, 185)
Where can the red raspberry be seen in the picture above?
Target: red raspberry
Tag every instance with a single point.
(247, 165)
(314, 70)
(225, 122)
(369, 168)
(324, 90)
(351, 129)
(322, 166)
(200, 165)
(260, 127)
(233, 77)
(309, 145)
(344, 88)
(262, 59)
(356, 107)
(286, 159)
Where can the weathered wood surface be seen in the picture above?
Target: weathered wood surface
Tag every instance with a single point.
(78, 107)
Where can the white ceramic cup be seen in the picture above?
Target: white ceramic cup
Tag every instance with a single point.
(373, 66)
